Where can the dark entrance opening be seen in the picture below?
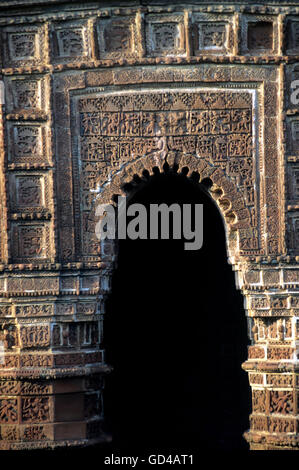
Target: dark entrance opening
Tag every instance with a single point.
(175, 332)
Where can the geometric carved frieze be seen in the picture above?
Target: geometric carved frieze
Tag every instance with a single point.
(34, 284)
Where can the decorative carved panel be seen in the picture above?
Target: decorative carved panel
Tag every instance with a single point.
(70, 41)
(212, 34)
(213, 125)
(165, 35)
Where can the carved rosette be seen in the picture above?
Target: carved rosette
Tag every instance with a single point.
(211, 131)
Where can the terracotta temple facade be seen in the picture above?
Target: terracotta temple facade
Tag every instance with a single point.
(93, 94)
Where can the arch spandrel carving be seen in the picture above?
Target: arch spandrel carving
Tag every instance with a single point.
(208, 125)
(225, 193)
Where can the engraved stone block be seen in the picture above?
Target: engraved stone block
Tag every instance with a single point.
(90, 283)
(65, 309)
(86, 308)
(256, 379)
(5, 311)
(36, 360)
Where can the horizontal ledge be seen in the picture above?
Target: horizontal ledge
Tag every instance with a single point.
(278, 440)
(55, 373)
(159, 60)
(26, 445)
(267, 366)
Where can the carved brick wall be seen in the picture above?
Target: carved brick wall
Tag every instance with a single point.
(94, 96)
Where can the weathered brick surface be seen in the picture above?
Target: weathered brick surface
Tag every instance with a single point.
(94, 97)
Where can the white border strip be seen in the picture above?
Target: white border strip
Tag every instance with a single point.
(2, 94)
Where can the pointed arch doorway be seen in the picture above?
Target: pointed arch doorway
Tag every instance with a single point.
(176, 335)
